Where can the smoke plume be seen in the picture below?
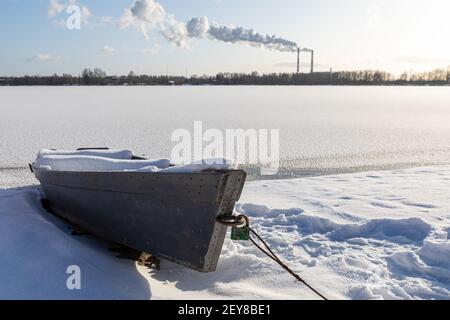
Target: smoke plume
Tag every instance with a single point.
(197, 27)
(200, 27)
(146, 15)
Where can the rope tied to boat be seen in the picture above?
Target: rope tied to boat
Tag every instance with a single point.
(243, 222)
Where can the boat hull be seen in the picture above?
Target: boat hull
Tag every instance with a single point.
(168, 215)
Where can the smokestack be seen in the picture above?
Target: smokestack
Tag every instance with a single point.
(312, 61)
(298, 60)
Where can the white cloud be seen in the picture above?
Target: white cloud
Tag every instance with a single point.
(54, 8)
(148, 15)
(85, 15)
(108, 50)
(144, 15)
(126, 19)
(198, 27)
(175, 32)
(148, 11)
(44, 57)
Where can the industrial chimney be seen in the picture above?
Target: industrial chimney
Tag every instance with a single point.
(298, 60)
(312, 61)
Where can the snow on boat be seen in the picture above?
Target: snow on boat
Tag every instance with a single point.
(167, 211)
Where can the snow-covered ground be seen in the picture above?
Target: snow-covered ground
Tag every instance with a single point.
(368, 235)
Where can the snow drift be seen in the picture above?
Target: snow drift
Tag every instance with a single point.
(378, 235)
(37, 249)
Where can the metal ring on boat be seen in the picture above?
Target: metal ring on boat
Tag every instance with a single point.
(240, 221)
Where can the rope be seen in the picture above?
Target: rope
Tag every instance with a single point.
(275, 258)
(233, 221)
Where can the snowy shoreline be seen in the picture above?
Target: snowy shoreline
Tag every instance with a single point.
(366, 235)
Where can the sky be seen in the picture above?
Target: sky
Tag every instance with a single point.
(159, 37)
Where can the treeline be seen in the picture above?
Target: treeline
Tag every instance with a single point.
(98, 77)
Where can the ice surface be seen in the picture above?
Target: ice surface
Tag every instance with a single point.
(321, 128)
(369, 235)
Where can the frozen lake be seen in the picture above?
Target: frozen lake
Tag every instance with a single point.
(365, 235)
(322, 129)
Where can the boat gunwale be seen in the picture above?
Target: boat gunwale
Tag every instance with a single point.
(51, 175)
(204, 172)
